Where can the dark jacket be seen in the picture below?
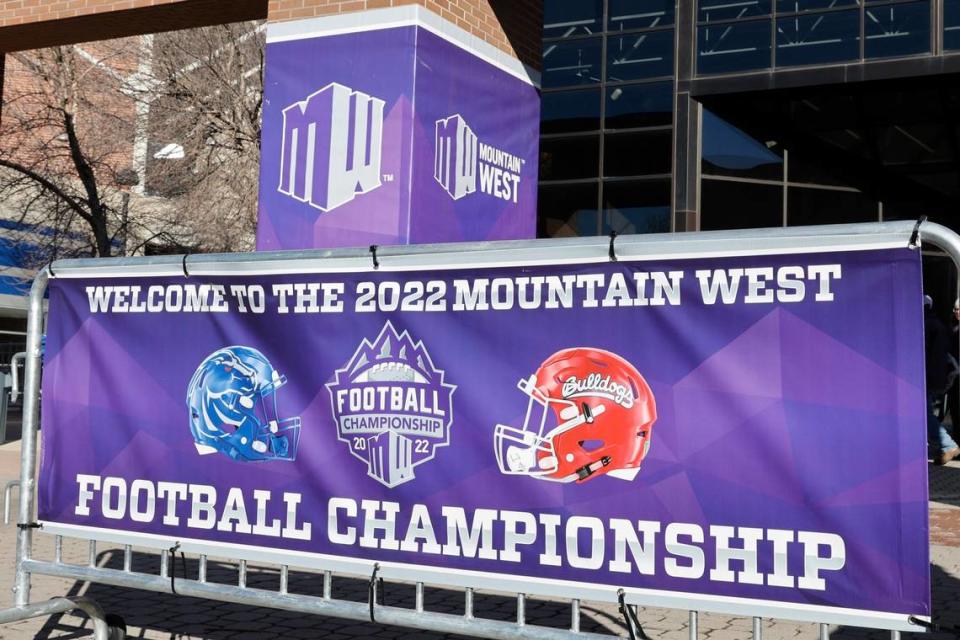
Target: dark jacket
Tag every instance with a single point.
(937, 343)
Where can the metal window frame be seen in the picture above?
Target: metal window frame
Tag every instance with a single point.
(934, 49)
(600, 179)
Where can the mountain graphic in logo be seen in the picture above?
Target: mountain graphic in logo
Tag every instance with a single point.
(392, 406)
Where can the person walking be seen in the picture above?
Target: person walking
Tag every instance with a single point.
(952, 401)
(936, 344)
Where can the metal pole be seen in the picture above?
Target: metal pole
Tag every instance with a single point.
(943, 238)
(101, 631)
(360, 611)
(15, 372)
(824, 631)
(757, 629)
(6, 499)
(693, 625)
(28, 444)
(4, 404)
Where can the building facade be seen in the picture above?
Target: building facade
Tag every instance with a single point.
(711, 114)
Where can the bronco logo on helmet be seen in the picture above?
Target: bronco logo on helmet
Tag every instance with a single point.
(233, 408)
(604, 412)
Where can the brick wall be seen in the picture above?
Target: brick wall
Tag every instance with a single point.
(513, 26)
(33, 24)
(14, 12)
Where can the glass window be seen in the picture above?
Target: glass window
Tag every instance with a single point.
(897, 30)
(823, 206)
(901, 209)
(814, 168)
(569, 158)
(636, 207)
(715, 10)
(924, 144)
(641, 55)
(728, 151)
(631, 14)
(639, 105)
(951, 24)
(733, 47)
(567, 111)
(567, 210)
(571, 63)
(739, 205)
(563, 18)
(799, 6)
(818, 38)
(637, 154)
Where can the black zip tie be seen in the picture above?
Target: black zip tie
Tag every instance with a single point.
(50, 270)
(372, 589)
(612, 252)
(173, 566)
(630, 618)
(934, 627)
(915, 236)
(30, 525)
(373, 252)
(185, 273)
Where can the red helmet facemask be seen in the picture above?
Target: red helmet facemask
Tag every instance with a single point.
(589, 413)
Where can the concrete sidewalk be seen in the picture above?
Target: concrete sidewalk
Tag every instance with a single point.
(168, 617)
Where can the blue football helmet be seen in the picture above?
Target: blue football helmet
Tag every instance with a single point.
(233, 408)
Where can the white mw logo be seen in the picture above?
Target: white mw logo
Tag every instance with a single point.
(331, 147)
(455, 157)
(458, 158)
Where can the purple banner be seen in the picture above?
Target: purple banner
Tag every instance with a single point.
(400, 135)
(718, 428)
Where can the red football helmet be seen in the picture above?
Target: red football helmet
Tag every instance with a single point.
(604, 411)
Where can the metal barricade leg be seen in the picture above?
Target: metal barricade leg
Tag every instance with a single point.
(7, 490)
(101, 629)
(28, 444)
(4, 405)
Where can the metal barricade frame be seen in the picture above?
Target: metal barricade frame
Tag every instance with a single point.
(820, 238)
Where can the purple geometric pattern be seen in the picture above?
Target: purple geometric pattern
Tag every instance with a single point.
(803, 416)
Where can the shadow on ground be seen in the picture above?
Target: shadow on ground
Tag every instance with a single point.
(161, 615)
(175, 616)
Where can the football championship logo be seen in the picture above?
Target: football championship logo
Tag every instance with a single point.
(392, 406)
